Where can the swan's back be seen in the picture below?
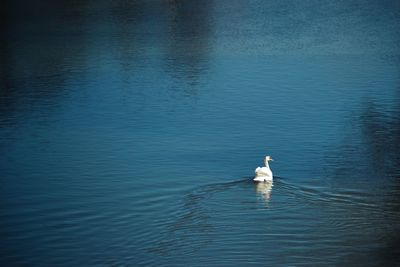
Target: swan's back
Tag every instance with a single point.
(263, 174)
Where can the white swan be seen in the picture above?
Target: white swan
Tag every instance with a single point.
(264, 173)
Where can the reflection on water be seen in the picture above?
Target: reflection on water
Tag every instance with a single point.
(187, 48)
(264, 189)
(124, 126)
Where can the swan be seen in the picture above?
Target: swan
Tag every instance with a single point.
(264, 174)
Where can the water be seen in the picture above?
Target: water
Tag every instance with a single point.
(130, 130)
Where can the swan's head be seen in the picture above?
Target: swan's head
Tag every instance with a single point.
(268, 158)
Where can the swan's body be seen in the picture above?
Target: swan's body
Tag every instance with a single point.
(264, 174)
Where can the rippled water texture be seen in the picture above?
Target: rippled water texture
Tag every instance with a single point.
(130, 131)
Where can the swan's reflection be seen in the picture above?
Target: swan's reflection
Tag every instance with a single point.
(264, 189)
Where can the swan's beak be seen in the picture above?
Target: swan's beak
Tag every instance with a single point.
(271, 159)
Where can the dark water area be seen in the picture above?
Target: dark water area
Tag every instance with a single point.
(130, 131)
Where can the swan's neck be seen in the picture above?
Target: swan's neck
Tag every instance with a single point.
(266, 164)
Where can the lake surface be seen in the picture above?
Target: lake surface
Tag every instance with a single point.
(130, 131)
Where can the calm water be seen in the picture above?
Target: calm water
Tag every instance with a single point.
(130, 130)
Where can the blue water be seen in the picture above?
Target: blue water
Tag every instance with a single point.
(130, 131)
